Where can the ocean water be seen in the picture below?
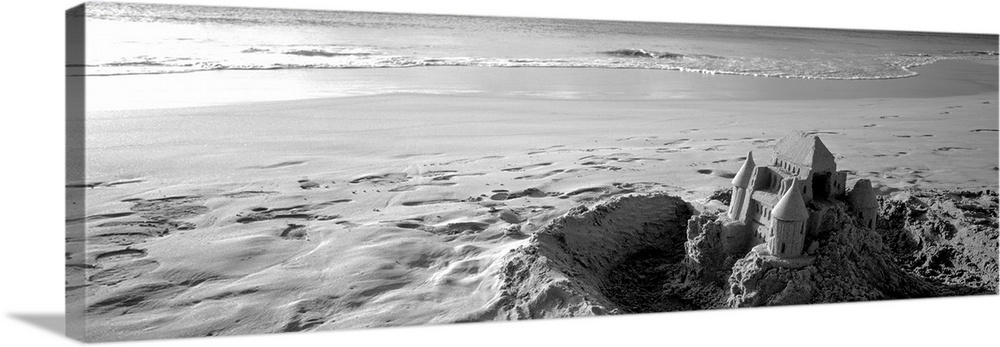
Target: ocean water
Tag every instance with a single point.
(134, 39)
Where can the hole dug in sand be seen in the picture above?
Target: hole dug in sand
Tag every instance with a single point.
(608, 259)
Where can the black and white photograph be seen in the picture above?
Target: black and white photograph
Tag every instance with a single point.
(271, 170)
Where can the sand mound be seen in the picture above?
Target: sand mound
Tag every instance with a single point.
(629, 255)
(927, 244)
(569, 268)
(949, 238)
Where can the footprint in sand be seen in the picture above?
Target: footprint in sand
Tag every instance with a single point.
(672, 150)
(457, 228)
(333, 202)
(887, 117)
(676, 142)
(595, 149)
(511, 216)
(539, 176)
(530, 192)
(409, 225)
(719, 173)
(118, 183)
(466, 161)
(248, 194)
(527, 167)
(307, 184)
(437, 173)
(130, 232)
(173, 207)
(450, 176)
(310, 313)
(281, 164)
(453, 228)
(414, 155)
(123, 272)
(159, 219)
(599, 191)
(948, 149)
(870, 125)
(615, 157)
(534, 151)
(388, 178)
(982, 130)
(294, 232)
(737, 159)
(607, 167)
(429, 202)
(412, 187)
(120, 255)
(258, 214)
(895, 155)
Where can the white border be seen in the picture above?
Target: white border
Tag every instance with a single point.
(31, 234)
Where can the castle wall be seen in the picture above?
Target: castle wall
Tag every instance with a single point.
(838, 184)
(761, 178)
(758, 181)
(757, 234)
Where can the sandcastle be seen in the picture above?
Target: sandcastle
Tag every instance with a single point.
(777, 207)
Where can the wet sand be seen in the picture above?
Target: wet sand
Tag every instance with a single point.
(943, 78)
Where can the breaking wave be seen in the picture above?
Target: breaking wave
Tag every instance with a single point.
(632, 52)
(336, 51)
(355, 57)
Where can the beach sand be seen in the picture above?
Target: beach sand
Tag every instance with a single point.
(351, 211)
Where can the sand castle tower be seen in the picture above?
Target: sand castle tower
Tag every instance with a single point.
(788, 224)
(862, 201)
(740, 184)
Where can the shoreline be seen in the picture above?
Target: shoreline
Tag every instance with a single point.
(230, 87)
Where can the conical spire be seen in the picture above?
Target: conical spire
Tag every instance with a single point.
(791, 207)
(742, 178)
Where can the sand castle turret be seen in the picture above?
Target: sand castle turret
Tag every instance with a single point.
(788, 225)
(740, 184)
(862, 201)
